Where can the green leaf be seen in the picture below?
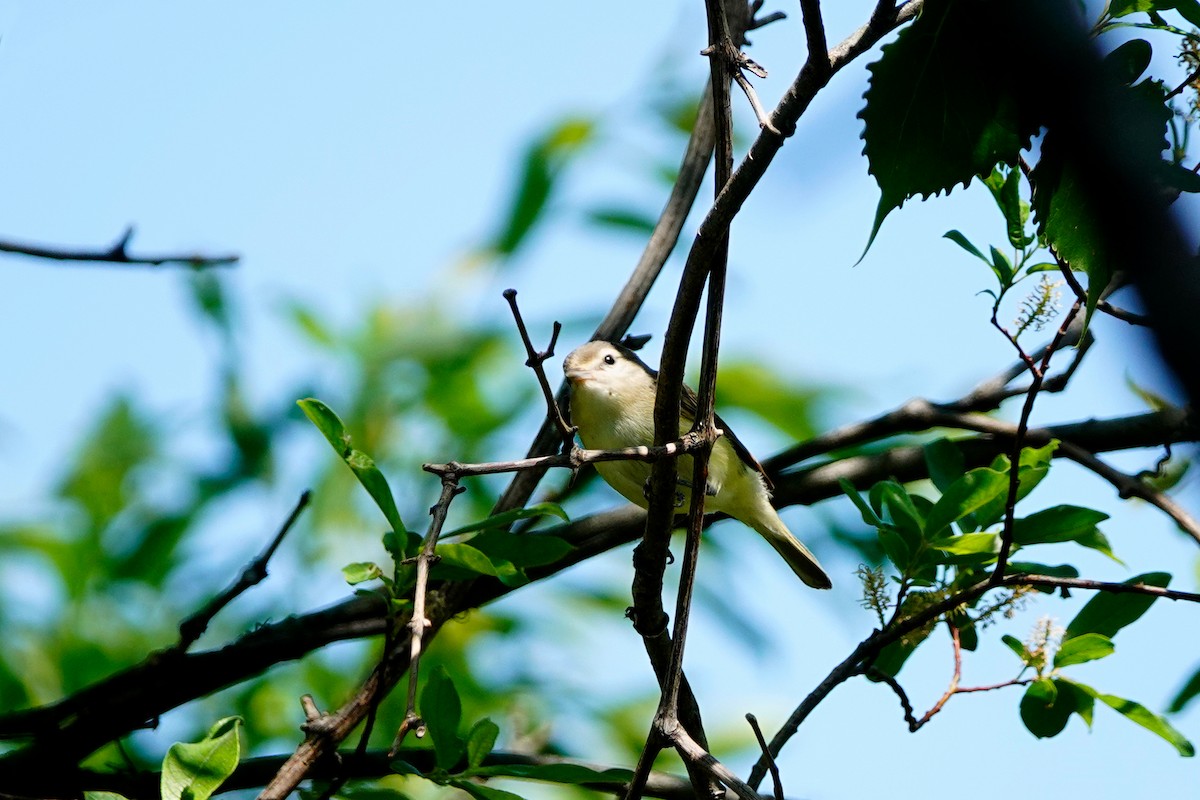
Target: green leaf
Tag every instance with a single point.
(361, 572)
(1033, 466)
(509, 517)
(1017, 646)
(1150, 721)
(868, 514)
(524, 550)
(480, 741)
(465, 557)
(1002, 267)
(193, 771)
(442, 712)
(967, 494)
(965, 243)
(941, 109)
(1058, 524)
(1187, 694)
(623, 219)
(893, 498)
(969, 544)
(359, 462)
(1107, 613)
(1006, 191)
(1049, 703)
(1084, 648)
(541, 166)
(944, 461)
(483, 792)
(103, 796)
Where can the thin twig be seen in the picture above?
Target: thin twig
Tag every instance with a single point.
(1038, 371)
(117, 254)
(866, 650)
(253, 573)
(956, 644)
(337, 726)
(776, 780)
(535, 361)
(419, 623)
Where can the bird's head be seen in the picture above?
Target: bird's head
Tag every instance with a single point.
(607, 367)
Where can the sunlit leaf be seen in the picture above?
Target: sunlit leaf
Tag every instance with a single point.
(193, 771)
(359, 462)
(1084, 648)
(1150, 721)
(967, 494)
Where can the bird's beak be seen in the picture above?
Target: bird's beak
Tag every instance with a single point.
(576, 375)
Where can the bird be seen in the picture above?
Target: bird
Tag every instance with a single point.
(612, 405)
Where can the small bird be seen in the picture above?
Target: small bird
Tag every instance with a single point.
(612, 404)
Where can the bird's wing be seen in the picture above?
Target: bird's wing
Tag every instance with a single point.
(689, 404)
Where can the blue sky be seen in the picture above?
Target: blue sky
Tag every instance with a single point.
(352, 152)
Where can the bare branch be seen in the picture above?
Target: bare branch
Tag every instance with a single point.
(254, 573)
(117, 254)
(535, 361)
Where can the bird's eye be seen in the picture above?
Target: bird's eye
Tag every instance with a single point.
(609, 360)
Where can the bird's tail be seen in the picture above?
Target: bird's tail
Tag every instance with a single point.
(797, 556)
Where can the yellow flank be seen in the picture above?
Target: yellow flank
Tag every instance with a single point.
(612, 404)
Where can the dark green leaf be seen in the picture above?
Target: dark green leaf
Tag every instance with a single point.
(1058, 524)
(1127, 63)
(941, 109)
(868, 514)
(442, 711)
(1017, 646)
(967, 494)
(509, 517)
(1187, 694)
(1151, 722)
(1044, 709)
(480, 741)
(523, 550)
(1002, 267)
(1083, 648)
(1107, 613)
(893, 498)
(193, 771)
(944, 461)
(1065, 209)
(895, 548)
(965, 244)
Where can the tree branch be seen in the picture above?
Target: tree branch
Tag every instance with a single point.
(117, 254)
